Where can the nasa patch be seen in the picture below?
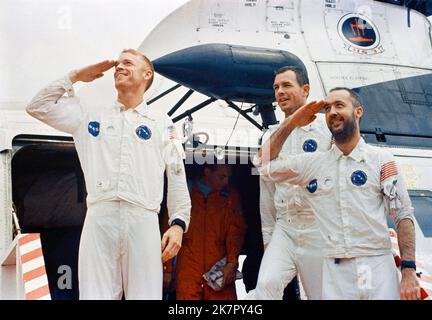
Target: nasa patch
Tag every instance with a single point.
(94, 128)
(358, 178)
(143, 132)
(310, 146)
(312, 186)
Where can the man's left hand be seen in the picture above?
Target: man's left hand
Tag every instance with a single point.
(171, 242)
(410, 287)
(229, 273)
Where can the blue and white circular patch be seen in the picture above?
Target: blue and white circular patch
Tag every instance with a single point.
(312, 186)
(360, 34)
(94, 128)
(358, 178)
(143, 132)
(310, 146)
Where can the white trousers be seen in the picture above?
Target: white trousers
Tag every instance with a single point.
(362, 278)
(295, 248)
(120, 251)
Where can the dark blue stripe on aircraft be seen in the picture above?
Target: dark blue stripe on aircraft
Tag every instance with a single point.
(400, 109)
(397, 113)
(227, 72)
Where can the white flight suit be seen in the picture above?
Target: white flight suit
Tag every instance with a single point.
(294, 244)
(123, 154)
(351, 196)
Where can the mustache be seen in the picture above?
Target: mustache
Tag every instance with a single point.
(336, 117)
(347, 132)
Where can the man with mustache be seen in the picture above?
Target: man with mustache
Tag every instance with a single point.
(124, 151)
(351, 188)
(292, 241)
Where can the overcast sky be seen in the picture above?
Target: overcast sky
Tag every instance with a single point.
(42, 39)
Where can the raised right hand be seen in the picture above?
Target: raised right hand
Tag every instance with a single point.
(91, 72)
(306, 114)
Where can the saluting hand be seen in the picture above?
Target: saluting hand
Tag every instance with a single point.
(306, 114)
(91, 72)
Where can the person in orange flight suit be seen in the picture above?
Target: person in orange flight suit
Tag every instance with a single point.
(216, 230)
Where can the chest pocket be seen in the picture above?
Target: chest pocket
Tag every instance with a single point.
(320, 186)
(110, 127)
(103, 128)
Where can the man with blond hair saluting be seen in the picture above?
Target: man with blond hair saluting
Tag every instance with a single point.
(124, 151)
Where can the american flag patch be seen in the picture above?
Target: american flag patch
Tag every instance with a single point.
(172, 133)
(388, 170)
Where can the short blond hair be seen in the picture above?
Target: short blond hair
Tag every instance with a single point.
(147, 60)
